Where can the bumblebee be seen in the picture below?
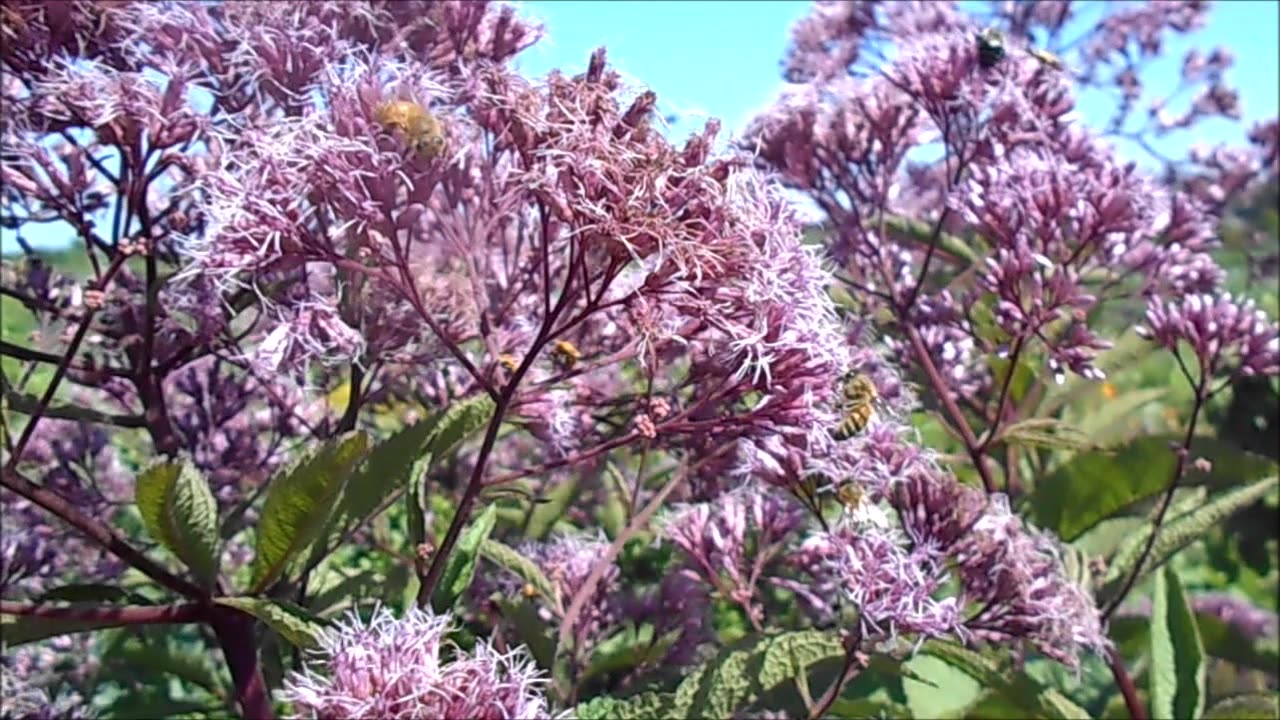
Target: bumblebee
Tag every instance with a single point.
(421, 129)
(990, 47)
(860, 396)
(565, 354)
(1046, 58)
(508, 361)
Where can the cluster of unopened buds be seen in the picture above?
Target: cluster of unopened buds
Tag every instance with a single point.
(138, 246)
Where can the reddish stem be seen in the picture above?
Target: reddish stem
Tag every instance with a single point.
(971, 444)
(1125, 683)
(235, 631)
(111, 615)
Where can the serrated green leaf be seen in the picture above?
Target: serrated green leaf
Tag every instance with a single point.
(741, 673)
(367, 584)
(1097, 484)
(384, 470)
(645, 706)
(1179, 533)
(1177, 654)
(179, 511)
(298, 505)
(510, 559)
(460, 567)
(458, 422)
(1255, 706)
(291, 622)
(734, 680)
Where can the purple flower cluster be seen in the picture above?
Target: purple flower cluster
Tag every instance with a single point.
(1225, 335)
(566, 561)
(730, 544)
(1057, 226)
(406, 667)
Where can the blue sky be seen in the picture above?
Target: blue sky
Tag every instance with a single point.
(721, 58)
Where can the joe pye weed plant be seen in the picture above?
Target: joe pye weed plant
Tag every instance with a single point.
(394, 383)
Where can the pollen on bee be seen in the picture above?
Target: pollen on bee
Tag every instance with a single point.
(565, 354)
(1109, 391)
(421, 130)
(529, 591)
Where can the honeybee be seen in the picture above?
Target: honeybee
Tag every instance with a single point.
(990, 47)
(860, 396)
(851, 495)
(565, 354)
(1046, 58)
(421, 129)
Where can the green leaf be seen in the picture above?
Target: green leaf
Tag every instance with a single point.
(544, 516)
(1095, 485)
(530, 630)
(1014, 687)
(1045, 432)
(93, 593)
(1110, 423)
(460, 567)
(385, 469)
(458, 422)
(734, 680)
(179, 511)
(1179, 533)
(921, 233)
(612, 513)
(1255, 706)
(862, 708)
(645, 706)
(510, 559)
(300, 502)
(628, 648)
(743, 672)
(1177, 654)
(291, 622)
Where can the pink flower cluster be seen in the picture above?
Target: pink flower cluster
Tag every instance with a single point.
(406, 667)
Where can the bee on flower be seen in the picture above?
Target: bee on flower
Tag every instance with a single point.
(565, 354)
(858, 406)
(990, 47)
(420, 129)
